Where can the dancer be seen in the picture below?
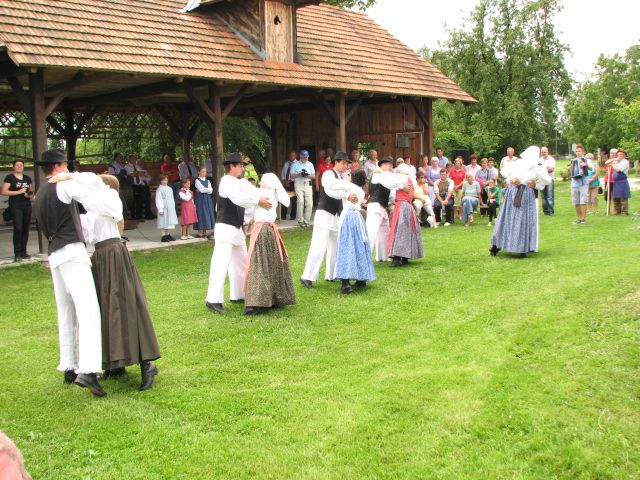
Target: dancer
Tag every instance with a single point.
(128, 336)
(267, 281)
(353, 257)
(516, 228)
(230, 250)
(405, 239)
(56, 209)
(204, 203)
(325, 223)
(383, 181)
(166, 206)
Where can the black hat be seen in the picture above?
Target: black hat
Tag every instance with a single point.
(53, 156)
(385, 160)
(341, 156)
(233, 158)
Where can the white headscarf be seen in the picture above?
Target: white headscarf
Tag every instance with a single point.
(273, 182)
(405, 169)
(528, 168)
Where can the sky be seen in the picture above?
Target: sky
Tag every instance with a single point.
(584, 25)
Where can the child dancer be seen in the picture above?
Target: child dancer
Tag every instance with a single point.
(166, 205)
(188, 215)
(267, 281)
(353, 258)
(204, 203)
(493, 199)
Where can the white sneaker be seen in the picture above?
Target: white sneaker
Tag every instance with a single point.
(184, 237)
(447, 224)
(190, 237)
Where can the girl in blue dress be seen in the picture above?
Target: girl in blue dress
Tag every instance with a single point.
(204, 204)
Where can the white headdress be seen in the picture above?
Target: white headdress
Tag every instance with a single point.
(273, 182)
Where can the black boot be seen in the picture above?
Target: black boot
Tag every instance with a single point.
(69, 376)
(149, 371)
(494, 250)
(396, 262)
(346, 287)
(90, 381)
(249, 311)
(360, 283)
(405, 261)
(114, 372)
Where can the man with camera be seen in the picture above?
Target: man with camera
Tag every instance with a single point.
(578, 169)
(303, 173)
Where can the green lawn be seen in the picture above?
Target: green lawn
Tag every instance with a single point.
(458, 366)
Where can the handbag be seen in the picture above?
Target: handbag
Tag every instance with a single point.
(600, 190)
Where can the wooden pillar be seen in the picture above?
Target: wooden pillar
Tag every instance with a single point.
(217, 145)
(186, 144)
(38, 130)
(341, 129)
(70, 137)
(428, 128)
(276, 161)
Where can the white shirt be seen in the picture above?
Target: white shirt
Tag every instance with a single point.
(262, 215)
(550, 162)
(202, 189)
(185, 195)
(506, 161)
(471, 169)
(88, 189)
(143, 179)
(334, 188)
(244, 195)
(97, 228)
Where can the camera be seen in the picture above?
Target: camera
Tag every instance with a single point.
(304, 173)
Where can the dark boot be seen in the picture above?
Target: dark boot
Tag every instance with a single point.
(624, 207)
(405, 261)
(114, 372)
(396, 262)
(360, 283)
(346, 288)
(494, 250)
(250, 311)
(90, 381)
(149, 371)
(617, 207)
(69, 376)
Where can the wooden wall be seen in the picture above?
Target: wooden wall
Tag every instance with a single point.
(374, 123)
(278, 38)
(246, 16)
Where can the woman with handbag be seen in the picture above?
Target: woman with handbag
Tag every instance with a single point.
(19, 188)
(594, 185)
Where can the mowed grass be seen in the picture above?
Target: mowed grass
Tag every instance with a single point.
(458, 366)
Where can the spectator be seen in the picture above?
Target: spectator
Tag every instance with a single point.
(491, 165)
(408, 161)
(482, 177)
(457, 174)
(355, 160)
(302, 174)
(287, 183)
(473, 167)
(470, 198)
(141, 191)
(493, 199)
(594, 185)
(204, 204)
(169, 168)
(442, 160)
(608, 178)
(547, 192)
(443, 188)
(19, 188)
(422, 202)
(509, 158)
(187, 171)
(432, 176)
(325, 165)
(118, 168)
(578, 169)
(621, 190)
(371, 165)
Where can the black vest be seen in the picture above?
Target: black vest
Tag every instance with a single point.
(229, 213)
(58, 221)
(328, 204)
(378, 193)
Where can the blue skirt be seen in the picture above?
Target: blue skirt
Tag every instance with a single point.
(516, 228)
(353, 258)
(204, 209)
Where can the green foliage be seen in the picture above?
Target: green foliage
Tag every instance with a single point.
(458, 366)
(510, 59)
(604, 112)
(360, 4)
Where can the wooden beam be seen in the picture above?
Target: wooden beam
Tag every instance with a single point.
(57, 126)
(428, 114)
(419, 108)
(64, 90)
(354, 109)
(341, 128)
(201, 107)
(170, 121)
(320, 102)
(21, 94)
(38, 130)
(236, 98)
(217, 141)
(194, 128)
(267, 129)
(86, 118)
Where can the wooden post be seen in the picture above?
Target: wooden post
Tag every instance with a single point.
(275, 160)
(341, 129)
(217, 145)
(38, 130)
(70, 136)
(428, 128)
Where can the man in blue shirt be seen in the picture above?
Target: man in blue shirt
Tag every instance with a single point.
(303, 173)
(442, 160)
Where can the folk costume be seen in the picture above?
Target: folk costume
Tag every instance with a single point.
(405, 236)
(128, 336)
(377, 209)
(325, 227)
(188, 214)
(166, 205)
(56, 209)
(353, 257)
(267, 280)
(230, 250)
(204, 204)
(516, 228)
(621, 190)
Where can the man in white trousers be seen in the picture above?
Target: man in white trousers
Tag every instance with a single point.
(383, 181)
(230, 250)
(303, 175)
(325, 223)
(56, 208)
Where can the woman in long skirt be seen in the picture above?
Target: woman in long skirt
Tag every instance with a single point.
(405, 236)
(204, 204)
(267, 281)
(353, 256)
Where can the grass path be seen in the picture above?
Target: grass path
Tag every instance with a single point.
(458, 366)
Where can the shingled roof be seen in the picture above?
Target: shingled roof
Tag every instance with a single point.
(340, 49)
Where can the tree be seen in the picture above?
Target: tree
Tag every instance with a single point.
(604, 112)
(359, 4)
(510, 59)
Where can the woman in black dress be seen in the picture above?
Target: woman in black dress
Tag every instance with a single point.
(19, 188)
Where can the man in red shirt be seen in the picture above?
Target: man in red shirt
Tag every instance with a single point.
(457, 174)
